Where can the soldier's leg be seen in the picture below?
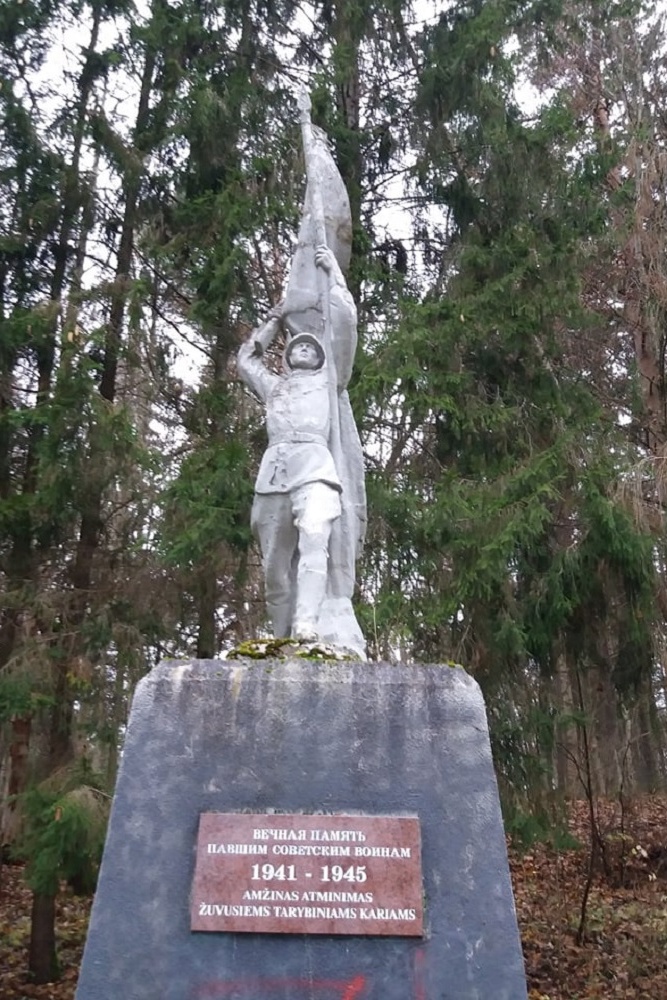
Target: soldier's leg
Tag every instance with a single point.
(273, 525)
(316, 507)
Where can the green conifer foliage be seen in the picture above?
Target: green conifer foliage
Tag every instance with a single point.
(499, 517)
(508, 267)
(63, 828)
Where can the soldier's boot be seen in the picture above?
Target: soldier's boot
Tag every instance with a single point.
(311, 589)
(280, 615)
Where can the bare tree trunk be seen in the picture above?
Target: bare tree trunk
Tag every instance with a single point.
(645, 745)
(42, 959)
(607, 732)
(18, 772)
(208, 603)
(566, 744)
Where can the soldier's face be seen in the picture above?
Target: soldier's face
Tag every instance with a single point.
(304, 356)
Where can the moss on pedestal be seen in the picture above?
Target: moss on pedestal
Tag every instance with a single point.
(289, 649)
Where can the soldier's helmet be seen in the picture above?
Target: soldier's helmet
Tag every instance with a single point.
(308, 338)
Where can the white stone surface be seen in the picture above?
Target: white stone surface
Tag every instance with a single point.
(309, 513)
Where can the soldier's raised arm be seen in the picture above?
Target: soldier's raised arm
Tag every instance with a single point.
(249, 360)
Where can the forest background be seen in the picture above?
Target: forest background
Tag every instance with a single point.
(507, 169)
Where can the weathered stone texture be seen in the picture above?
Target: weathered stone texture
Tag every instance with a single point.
(300, 736)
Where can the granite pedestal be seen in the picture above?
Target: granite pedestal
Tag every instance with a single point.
(304, 737)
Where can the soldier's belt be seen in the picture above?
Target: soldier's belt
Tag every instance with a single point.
(301, 439)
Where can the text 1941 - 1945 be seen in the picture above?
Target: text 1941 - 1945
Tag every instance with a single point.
(308, 874)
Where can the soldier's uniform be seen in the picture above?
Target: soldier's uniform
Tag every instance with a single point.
(297, 492)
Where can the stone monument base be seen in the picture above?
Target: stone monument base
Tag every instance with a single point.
(271, 737)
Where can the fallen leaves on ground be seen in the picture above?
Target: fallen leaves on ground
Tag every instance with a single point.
(623, 955)
(71, 923)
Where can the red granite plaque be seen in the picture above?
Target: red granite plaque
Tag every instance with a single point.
(294, 874)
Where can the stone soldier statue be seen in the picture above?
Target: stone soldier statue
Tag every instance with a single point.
(309, 511)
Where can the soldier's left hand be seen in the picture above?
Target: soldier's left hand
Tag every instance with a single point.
(324, 257)
(276, 312)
